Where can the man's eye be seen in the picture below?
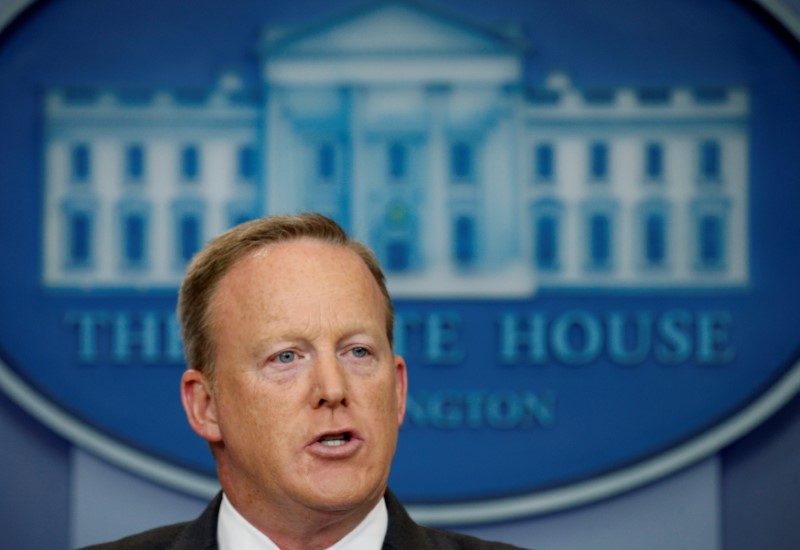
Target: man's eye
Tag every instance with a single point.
(286, 356)
(360, 352)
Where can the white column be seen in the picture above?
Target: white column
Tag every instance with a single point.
(435, 235)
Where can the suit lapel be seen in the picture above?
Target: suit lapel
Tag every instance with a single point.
(402, 532)
(201, 534)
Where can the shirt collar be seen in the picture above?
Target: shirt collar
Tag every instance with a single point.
(236, 533)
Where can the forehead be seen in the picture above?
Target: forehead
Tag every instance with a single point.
(296, 273)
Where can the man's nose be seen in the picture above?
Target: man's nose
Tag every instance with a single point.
(330, 383)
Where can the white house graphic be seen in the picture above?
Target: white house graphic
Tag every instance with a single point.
(416, 130)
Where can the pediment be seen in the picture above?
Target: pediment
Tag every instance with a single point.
(391, 27)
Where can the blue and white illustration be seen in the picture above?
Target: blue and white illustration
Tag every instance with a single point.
(418, 131)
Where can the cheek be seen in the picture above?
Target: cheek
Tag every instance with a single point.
(383, 400)
(261, 435)
(251, 411)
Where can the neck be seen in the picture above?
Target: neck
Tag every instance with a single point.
(295, 526)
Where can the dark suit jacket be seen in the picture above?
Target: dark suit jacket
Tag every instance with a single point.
(201, 534)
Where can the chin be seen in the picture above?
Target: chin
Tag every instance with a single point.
(342, 494)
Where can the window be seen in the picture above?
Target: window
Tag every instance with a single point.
(654, 96)
(710, 95)
(599, 96)
(240, 218)
(398, 215)
(187, 230)
(598, 161)
(240, 211)
(135, 238)
(190, 163)
(81, 163)
(546, 228)
(134, 163)
(710, 161)
(398, 255)
(80, 238)
(247, 163)
(654, 239)
(711, 241)
(710, 218)
(188, 236)
(398, 160)
(599, 240)
(544, 167)
(461, 161)
(326, 161)
(654, 161)
(546, 253)
(464, 240)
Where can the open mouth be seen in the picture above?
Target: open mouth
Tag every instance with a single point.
(335, 440)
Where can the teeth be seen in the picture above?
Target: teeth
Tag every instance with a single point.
(334, 440)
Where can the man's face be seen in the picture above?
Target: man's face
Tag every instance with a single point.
(308, 395)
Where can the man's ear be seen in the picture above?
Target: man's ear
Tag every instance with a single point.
(401, 386)
(200, 405)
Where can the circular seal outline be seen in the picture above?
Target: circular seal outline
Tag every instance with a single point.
(483, 511)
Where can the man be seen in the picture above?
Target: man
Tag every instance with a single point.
(287, 329)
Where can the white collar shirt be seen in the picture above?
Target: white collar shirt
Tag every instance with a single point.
(234, 532)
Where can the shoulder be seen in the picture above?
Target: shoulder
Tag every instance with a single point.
(456, 541)
(155, 539)
(403, 532)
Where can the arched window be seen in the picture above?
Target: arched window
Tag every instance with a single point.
(78, 233)
(397, 215)
(326, 161)
(461, 161)
(655, 246)
(134, 229)
(547, 234)
(544, 163)
(710, 219)
(80, 163)
(398, 255)
(464, 240)
(134, 163)
(710, 161)
(710, 240)
(240, 211)
(599, 240)
(653, 162)
(399, 235)
(598, 161)
(189, 236)
(190, 163)
(247, 163)
(547, 242)
(188, 230)
(80, 238)
(135, 238)
(397, 160)
(600, 237)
